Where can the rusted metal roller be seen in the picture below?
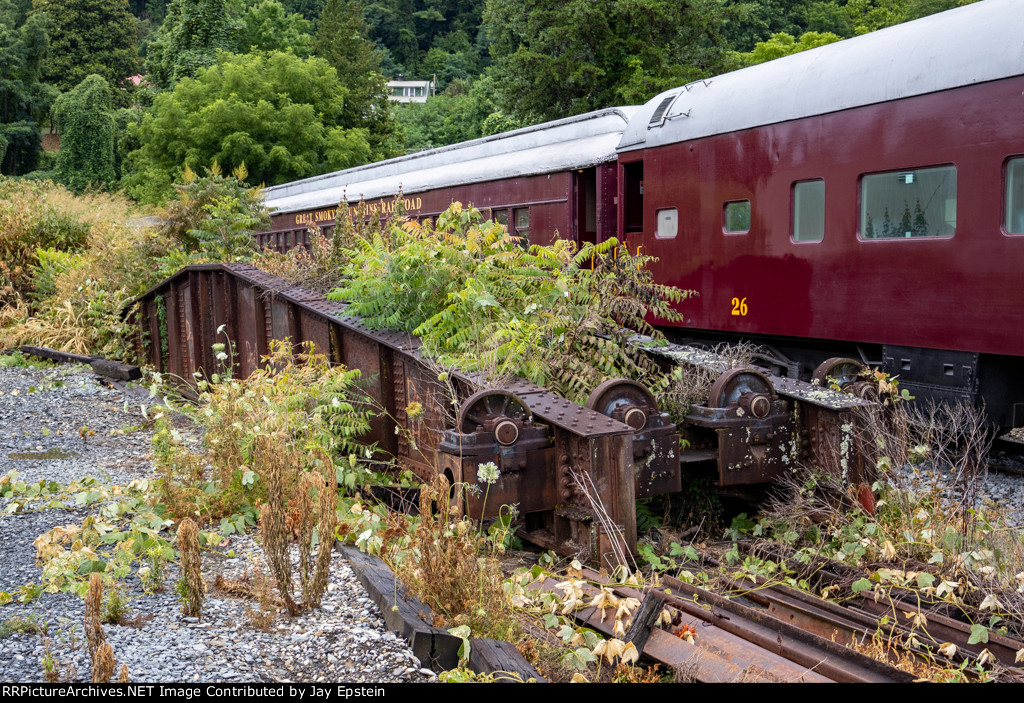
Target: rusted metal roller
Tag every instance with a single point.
(746, 388)
(623, 400)
(848, 374)
(497, 411)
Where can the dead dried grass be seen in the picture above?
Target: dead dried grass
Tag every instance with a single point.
(193, 589)
(451, 570)
(94, 614)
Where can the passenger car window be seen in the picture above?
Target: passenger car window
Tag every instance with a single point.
(809, 211)
(668, 223)
(736, 217)
(522, 220)
(1014, 220)
(912, 203)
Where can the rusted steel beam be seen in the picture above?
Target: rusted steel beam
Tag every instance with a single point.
(858, 617)
(941, 629)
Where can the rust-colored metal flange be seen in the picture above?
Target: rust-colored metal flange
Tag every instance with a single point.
(840, 369)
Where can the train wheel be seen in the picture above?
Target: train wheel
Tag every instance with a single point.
(623, 400)
(849, 374)
(838, 368)
(746, 388)
(502, 412)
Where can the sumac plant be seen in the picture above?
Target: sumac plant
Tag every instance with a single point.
(558, 315)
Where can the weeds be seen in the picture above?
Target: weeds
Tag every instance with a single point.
(23, 361)
(103, 664)
(256, 587)
(448, 564)
(289, 486)
(688, 385)
(928, 543)
(478, 300)
(191, 588)
(23, 625)
(71, 262)
(115, 605)
(93, 615)
(300, 399)
(152, 574)
(51, 668)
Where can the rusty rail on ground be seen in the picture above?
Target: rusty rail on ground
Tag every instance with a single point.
(734, 642)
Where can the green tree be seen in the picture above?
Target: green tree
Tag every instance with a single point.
(463, 111)
(922, 8)
(452, 56)
(870, 15)
(392, 26)
(782, 44)
(310, 9)
(85, 120)
(90, 36)
(747, 22)
(341, 41)
(269, 27)
(554, 58)
(24, 100)
(275, 113)
(190, 38)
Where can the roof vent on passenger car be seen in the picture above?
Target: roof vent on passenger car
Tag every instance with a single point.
(662, 107)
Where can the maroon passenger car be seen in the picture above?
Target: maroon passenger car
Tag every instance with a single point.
(869, 192)
(864, 198)
(551, 180)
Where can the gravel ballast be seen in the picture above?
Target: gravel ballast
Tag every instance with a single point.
(42, 415)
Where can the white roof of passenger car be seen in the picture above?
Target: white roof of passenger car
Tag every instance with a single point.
(570, 143)
(971, 44)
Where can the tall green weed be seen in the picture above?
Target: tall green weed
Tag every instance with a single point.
(558, 316)
(299, 402)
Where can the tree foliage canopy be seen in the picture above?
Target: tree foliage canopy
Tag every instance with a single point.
(192, 34)
(554, 58)
(87, 37)
(274, 112)
(463, 111)
(85, 119)
(782, 44)
(341, 41)
(24, 100)
(268, 26)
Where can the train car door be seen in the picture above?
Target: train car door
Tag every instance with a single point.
(632, 195)
(584, 193)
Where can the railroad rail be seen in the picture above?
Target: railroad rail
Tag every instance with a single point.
(736, 642)
(859, 616)
(575, 472)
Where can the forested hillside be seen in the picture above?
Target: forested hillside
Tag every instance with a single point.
(140, 90)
